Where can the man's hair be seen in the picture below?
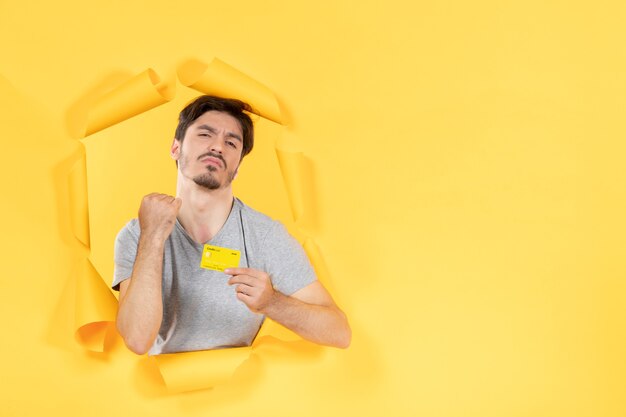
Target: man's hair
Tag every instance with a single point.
(235, 108)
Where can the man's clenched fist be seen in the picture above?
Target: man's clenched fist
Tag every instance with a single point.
(157, 215)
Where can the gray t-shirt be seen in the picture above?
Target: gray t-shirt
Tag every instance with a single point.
(200, 310)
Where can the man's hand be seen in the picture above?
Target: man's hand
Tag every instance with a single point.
(253, 287)
(157, 215)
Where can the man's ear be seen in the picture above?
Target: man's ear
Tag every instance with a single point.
(175, 149)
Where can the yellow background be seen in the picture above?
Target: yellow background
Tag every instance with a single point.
(468, 192)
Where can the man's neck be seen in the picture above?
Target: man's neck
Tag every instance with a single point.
(203, 212)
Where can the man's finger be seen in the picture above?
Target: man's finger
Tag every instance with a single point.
(244, 271)
(243, 289)
(242, 279)
(245, 298)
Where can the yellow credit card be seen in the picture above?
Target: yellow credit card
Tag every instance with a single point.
(218, 259)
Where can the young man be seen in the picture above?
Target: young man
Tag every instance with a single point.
(168, 302)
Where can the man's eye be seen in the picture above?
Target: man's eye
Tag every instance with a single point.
(204, 134)
(229, 143)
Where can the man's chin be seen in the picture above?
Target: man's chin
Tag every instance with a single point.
(207, 181)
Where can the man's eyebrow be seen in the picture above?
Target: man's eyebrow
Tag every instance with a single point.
(234, 136)
(207, 127)
(214, 131)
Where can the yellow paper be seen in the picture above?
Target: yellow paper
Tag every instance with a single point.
(298, 178)
(95, 307)
(137, 95)
(79, 211)
(191, 371)
(290, 165)
(317, 260)
(220, 79)
(499, 187)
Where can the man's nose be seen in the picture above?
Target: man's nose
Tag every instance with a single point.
(216, 145)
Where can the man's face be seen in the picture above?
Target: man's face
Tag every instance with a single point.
(211, 150)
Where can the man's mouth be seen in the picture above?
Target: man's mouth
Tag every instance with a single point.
(213, 159)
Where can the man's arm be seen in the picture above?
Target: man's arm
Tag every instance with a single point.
(140, 310)
(310, 311)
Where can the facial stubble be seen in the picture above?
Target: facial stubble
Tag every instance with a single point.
(208, 180)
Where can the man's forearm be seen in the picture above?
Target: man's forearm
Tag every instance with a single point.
(320, 324)
(141, 308)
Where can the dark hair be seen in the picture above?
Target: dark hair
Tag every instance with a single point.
(231, 106)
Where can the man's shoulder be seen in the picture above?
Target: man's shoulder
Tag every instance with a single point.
(130, 230)
(260, 225)
(256, 217)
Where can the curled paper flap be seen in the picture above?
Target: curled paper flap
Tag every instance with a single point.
(298, 182)
(290, 165)
(315, 256)
(79, 210)
(190, 371)
(96, 307)
(220, 79)
(317, 260)
(137, 95)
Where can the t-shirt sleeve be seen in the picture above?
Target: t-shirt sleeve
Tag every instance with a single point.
(286, 262)
(125, 253)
